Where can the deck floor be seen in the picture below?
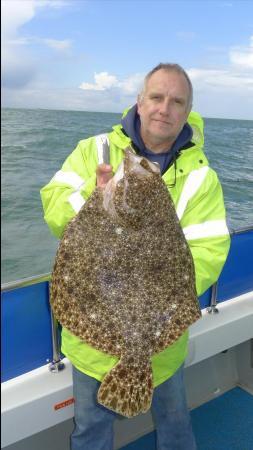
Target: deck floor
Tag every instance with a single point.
(225, 423)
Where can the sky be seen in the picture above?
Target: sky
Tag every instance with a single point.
(92, 55)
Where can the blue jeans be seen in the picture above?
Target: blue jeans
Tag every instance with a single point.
(94, 423)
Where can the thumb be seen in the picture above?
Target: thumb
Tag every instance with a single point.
(104, 174)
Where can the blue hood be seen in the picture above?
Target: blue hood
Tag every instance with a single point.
(131, 125)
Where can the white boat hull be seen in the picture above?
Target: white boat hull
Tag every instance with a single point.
(41, 401)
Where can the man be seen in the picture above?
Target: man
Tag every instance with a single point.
(161, 128)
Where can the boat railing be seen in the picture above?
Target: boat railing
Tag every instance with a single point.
(25, 282)
(56, 363)
(212, 308)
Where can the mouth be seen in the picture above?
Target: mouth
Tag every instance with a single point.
(162, 121)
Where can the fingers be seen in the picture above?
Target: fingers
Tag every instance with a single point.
(104, 174)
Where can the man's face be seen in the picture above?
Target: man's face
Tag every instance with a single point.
(163, 109)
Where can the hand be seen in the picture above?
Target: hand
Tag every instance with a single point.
(104, 174)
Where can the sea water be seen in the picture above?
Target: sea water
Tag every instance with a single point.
(35, 143)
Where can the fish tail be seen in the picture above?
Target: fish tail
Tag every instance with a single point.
(128, 388)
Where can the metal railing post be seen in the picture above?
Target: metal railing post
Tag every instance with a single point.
(212, 309)
(56, 365)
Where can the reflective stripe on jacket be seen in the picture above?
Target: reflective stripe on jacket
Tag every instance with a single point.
(198, 199)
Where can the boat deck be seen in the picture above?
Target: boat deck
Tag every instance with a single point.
(220, 424)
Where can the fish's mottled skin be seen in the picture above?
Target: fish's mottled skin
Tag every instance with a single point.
(124, 282)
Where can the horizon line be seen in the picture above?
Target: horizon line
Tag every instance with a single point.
(105, 112)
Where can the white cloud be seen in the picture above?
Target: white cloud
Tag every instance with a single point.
(242, 57)
(57, 44)
(91, 87)
(54, 4)
(105, 81)
(16, 13)
(219, 78)
(132, 85)
(19, 66)
(228, 91)
(66, 99)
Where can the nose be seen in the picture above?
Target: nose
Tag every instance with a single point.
(164, 108)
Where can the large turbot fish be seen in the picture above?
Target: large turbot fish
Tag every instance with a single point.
(123, 280)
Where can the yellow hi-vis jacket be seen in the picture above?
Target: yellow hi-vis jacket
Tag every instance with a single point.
(198, 199)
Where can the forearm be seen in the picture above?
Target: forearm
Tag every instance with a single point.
(68, 190)
(209, 258)
(204, 226)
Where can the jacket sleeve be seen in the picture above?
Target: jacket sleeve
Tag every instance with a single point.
(70, 187)
(204, 226)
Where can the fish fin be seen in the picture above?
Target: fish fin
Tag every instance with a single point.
(127, 389)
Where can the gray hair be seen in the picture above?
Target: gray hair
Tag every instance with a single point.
(170, 67)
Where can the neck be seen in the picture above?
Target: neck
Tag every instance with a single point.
(157, 146)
